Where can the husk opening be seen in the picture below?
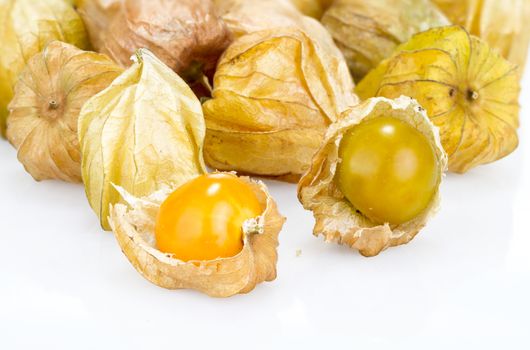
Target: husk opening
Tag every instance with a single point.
(336, 219)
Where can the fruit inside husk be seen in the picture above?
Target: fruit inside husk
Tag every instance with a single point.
(275, 93)
(502, 24)
(26, 27)
(368, 31)
(145, 131)
(469, 91)
(187, 35)
(388, 170)
(336, 217)
(133, 224)
(203, 218)
(42, 124)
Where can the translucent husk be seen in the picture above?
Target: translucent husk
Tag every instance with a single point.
(312, 8)
(503, 24)
(368, 31)
(133, 225)
(336, 219)
(187, 35)
(97, 15)
(142, 133)
(42, 124)
(275, 93)
(26, 27)
(469, 91)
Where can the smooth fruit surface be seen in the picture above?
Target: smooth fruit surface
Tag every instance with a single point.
(203, 219)
(388, 170)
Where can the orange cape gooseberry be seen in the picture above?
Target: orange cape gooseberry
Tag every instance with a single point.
(203, 219)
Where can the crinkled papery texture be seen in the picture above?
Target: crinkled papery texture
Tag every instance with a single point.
(503, 24)
(133, 226)
(368, 31)
(469, 91)
(26, 27)
(275, 93)
(144, 132)
(42, 124)
(336, 219)
(187, 35)
(97, 15)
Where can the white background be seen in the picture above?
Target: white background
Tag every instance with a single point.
(464, 282)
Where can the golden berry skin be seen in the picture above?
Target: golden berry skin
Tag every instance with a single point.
(388, 170)
(203, 219)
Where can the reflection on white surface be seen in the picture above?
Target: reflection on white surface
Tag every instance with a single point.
(465, 280)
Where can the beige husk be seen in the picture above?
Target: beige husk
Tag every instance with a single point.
(336, 219)
(275, 93)
(133, 226)
(42, 124)
(368, 31)
(503, 24)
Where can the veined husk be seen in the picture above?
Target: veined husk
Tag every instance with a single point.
(187, 35)
(312, 8)
(336, 219)
(26, 27)
(469, 91)
(142, 133)
(97, 15)
(133, 226)
(503, 24)
(275, 93)
(42, 124)
(368, 31)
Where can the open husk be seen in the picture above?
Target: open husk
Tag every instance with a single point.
(336, 219)
(503, 24)
(133, 225)
(275, 93)
(26, 27)
(368, 31)
(469, 91)
(42, 124)
(143, 132)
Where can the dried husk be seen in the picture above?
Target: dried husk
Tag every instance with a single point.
(312, 8)
(42, 124)
(469, 91)
(26, 27)
(142, 133)
(502, 24)
(97, 15)
(187, 35)
(368, 31)
(336, 219)
(275, 93)
(133, 226)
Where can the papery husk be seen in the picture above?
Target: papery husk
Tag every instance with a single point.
(26, 27)
(336, 218)
(368, 31)
(97, 15)
(503, 24)
(312, 8)
(187, 35)
(142, 133)
(275, 93)
(134, 224)
(469, 91)
(42, 124)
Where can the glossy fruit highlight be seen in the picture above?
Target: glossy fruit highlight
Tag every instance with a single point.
(203, 219)
(388, 171)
